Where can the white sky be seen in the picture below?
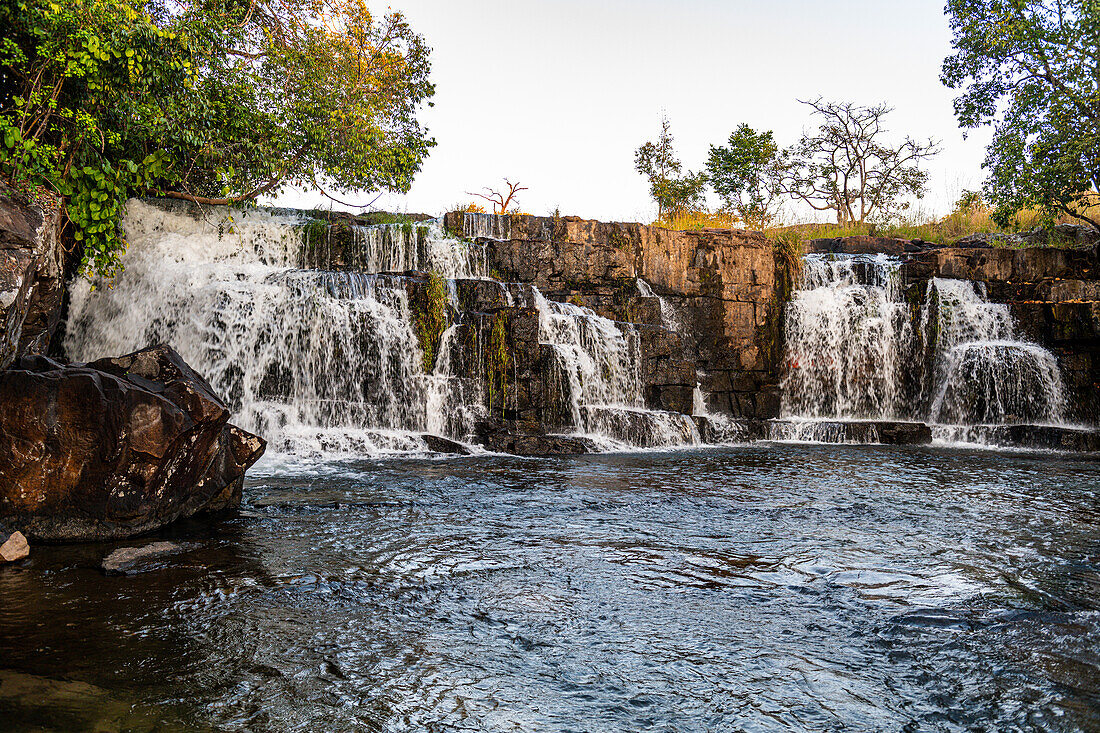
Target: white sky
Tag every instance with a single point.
(559, 93)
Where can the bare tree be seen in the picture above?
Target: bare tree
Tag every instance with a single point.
(499, 199)
(844, 166)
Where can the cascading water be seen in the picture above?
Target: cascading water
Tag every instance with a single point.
(327, 360)
(847, 335)
(315, 361)
(853, 354)
(397, 248)
(486, 226)
(670, 316)
(985, 374)
(597, 374)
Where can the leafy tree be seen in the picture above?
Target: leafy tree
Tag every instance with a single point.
(214, 101)
(673, 192)
(747, 173)
(1031, 68)
(844, 166)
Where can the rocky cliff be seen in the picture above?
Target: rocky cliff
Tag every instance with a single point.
(714, 291)
(31, 272)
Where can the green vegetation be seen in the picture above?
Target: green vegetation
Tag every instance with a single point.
(498, 364)
(844, 167)
(1030, 69)
(215, 102)
(747, 174)
(673, 192)
(430, 320)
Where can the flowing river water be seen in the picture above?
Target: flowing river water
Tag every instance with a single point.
(769, 587)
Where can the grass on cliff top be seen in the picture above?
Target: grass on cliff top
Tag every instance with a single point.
(945, 230)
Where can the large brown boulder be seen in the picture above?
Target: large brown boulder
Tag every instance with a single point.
(114, 448)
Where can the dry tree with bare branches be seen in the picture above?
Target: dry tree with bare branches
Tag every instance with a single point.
(500, 200)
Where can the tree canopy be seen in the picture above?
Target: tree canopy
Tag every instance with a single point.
(216, 101)
(747, 174)
(674, 192)
(846, 167)
(1031, 68)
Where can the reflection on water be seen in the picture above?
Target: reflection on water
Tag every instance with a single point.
(764, 588)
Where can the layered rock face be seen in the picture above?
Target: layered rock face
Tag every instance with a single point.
(114, 448)
(1054, 296)
(712, 315)
(1052, 293)
(31, 283)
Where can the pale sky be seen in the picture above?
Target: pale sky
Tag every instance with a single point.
(558, 94)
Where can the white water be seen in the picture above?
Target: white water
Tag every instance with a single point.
(847, 335)
(598, 375)
(317, 362)
(324, 362)
(401, 248)
(985, 373)
(853, 355)
(487, 226)
(670, 315)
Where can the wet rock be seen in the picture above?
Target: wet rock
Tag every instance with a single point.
(115, 448)
(31, 281)
(506, 439)
(438, 444)
(1048, 437)
(882, 432)
(126, 560)
(15, 548)
(643, 428)
(718, 429)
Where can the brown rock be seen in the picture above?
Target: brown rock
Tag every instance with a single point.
(16, 548)
(31, 280)
(127, 559)
(115, 448)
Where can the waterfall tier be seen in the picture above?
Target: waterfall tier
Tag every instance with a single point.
(858, 350)
(848, 338)
(339, 338)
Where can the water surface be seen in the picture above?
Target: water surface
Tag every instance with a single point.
(764, 588)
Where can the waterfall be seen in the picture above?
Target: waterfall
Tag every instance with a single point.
(486, 226)
(848, 335)
(985, 373)
(598, 375)
(397, 248)
(670, 316)
(310, 330)
(316, 361)
(854, 353)
(597, 356)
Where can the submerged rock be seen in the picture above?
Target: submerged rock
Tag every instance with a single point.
(129, 559)
(115, 448)
(510, 439)
(883, 432)
(439, 444)
(15, 548)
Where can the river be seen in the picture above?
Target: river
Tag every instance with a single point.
(770, 587)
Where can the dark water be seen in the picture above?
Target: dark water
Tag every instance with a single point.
(767, 588)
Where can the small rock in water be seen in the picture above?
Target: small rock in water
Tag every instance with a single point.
(16, 548)
(127, 559)
(438, 444)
